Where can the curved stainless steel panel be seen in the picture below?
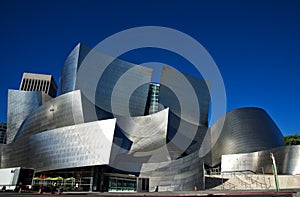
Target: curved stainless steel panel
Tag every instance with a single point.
(245, 130)
(115, 85)
(107, 83)
(61, 111)
(187, 124)
(147, 133)
(187, 141)
(69, 70)
(287, 161)
(70, 67)
(73, 146)
(177, 175)
(140, 140)
(174, 84)
(20, 105)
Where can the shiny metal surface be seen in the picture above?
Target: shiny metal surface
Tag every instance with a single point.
(20, 105)
(111, 95)
(174, 85)
(140, 140)
(63, 133)
(146, 133)
(245, 130)
(187, 141)
(61, 111)
(66, 147)
(177, 175)
(188, 119)
(115, 85)
(287, 161)
(70, 67)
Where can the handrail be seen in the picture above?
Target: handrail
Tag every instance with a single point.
(241, 171)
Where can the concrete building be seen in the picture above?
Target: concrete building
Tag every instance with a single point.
(39, 82)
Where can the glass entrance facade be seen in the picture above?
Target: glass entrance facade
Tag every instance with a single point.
(122, 183)
(74, 179)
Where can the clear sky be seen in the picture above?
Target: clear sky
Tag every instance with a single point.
(255, 43)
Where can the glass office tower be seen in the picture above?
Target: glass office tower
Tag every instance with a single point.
(152, 100)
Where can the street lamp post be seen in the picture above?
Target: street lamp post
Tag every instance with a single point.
(52, 121)
(275, 171)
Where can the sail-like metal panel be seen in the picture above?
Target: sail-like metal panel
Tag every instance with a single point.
(61, 111)
(147, 133)
(188, 98)
(20, 105)
(66, 147)
(70, 68)
(287, 161)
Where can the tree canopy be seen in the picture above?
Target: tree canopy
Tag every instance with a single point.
(292, 140)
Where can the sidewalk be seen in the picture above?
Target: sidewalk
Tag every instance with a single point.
(291, 193)
(192, 193)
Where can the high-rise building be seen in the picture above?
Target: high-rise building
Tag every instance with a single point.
(2, 133)
(39, 82)
(152, 100)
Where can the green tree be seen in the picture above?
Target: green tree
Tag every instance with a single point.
(292, 140)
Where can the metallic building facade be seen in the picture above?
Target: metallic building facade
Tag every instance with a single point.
(115, 97)
(140, 140)
(65, 147)
(241, 130)
(124, 127)
(70, 68)
(174, 86)
(146, 133)
(64, 110)
(184, 174)
(20, 105)
(107, 91)
(188, 118)
(287, 161)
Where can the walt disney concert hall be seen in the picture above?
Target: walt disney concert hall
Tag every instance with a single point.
(125, 133)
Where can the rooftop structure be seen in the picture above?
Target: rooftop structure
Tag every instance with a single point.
(39, 82)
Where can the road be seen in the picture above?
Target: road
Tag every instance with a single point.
(235, 194)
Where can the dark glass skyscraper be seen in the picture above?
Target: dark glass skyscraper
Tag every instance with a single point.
(3, 129)
(152, 100)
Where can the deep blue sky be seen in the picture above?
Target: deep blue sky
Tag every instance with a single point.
(255, 43)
